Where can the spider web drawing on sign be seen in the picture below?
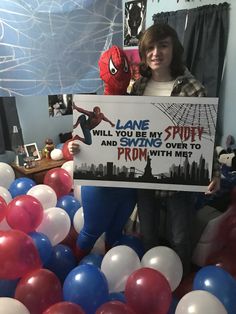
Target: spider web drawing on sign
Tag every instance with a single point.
(204, 115)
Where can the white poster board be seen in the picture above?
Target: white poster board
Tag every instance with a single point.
(145, 142)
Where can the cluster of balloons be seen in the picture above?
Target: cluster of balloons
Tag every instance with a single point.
(40, 274)
(219, 283)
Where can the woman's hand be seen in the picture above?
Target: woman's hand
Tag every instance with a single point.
(214, 186)
(73, 147)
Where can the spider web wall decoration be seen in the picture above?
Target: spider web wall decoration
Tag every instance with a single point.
(52, 46)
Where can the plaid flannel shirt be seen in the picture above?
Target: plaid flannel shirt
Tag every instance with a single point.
(184, 86)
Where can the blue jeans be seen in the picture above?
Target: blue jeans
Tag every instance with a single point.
(179, 211)
(105, 210)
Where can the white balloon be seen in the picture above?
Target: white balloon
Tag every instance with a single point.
(117, 265)
(44, 194)
(200, 302)
(69, 167)
(56, 154)
(99, 246)
(12, 306)
(167, 262)
(77, 193)
(78, 220)
(7, 175)
(4, 193)
(55, 224)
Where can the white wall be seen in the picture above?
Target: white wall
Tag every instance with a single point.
(36, 123)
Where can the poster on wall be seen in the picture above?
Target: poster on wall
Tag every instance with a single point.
(144, 142)
(134, 60)
(134, 22)
(60, 105)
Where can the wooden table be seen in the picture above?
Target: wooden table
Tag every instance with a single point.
(38, 172)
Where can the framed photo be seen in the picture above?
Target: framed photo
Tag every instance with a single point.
(32, 151)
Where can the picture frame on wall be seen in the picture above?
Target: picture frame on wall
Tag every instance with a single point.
(60, 105)
(32, 151)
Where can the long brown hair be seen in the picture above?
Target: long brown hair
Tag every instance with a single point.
(154, 34)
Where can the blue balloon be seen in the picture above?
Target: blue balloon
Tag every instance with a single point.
(43, 245)
(133, 242)
(21, 186)
(92, 259)
(87, 286)
(220, 283)
(70, 204)
(173, 305)
(117, 296)
(62, 261)
(8, 287)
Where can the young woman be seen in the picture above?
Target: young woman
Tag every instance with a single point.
(164, 74)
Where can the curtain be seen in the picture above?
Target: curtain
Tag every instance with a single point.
(203, 32)
(8, 118)
(175, 19)
(205, 42)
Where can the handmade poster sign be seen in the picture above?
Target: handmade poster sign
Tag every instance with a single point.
(145, 142)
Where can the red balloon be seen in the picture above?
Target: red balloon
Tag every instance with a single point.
(148, 291)
(18, 254)
(64, 308)
(3, 208)
(38, 290)
(59, 180)
(114, 307)
(24, 213)
(65, 151)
